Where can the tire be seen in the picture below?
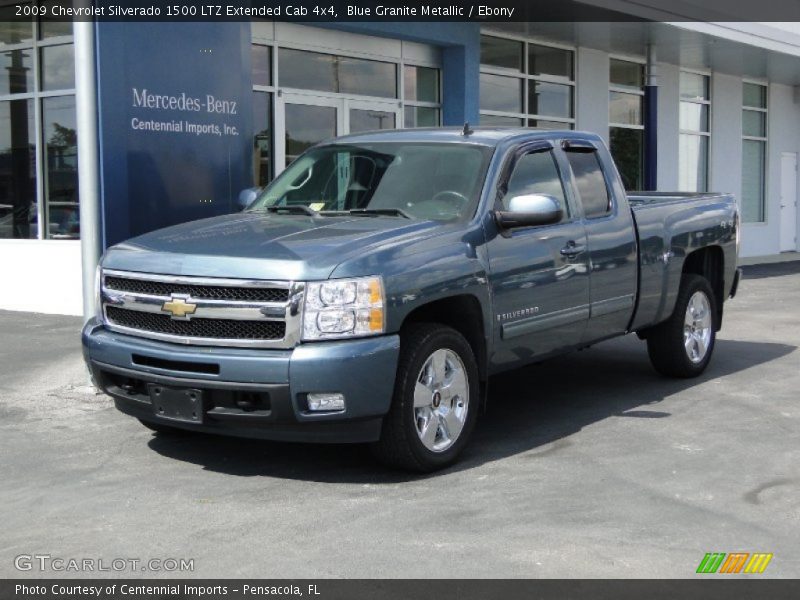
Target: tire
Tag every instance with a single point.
(163, 429)
(682, 346)
(433, 359)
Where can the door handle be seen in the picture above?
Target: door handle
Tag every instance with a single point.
(572, 249)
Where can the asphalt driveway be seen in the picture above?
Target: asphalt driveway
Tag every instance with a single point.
(590, 465)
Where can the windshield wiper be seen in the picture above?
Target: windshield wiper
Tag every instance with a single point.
(390, 212)
(294, 209)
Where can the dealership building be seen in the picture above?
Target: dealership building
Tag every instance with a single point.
(111, 129)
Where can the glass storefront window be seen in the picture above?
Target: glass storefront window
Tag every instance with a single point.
(262, 138)
(539, 93)
(500, 93)
(340, 74)
(501, 53)
(18, 169)
(693, 86)
(693, 163)
(625, 109)
(421, 84)
(500, 121)
(627, 149)
(551, 99)
(421, 116)
(38, 137)
(626, 74)
(61, 167)
(551, 62)
(261, 63)
(754, 152)
(370, 120)
(58, 67)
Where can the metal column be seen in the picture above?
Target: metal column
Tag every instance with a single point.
(651, 121)
(88, 159)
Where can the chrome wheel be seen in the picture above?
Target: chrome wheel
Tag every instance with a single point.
(441, 400)
(697, 327)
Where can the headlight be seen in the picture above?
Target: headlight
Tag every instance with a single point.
(343, 308)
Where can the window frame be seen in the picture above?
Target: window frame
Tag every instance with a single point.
(524, 76)
(764, 205)
(698, 133)
(38, 95)
(612, 88)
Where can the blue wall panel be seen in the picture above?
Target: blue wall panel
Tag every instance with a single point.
(193, 81)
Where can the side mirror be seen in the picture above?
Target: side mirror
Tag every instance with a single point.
(247, 197)
(529, 210)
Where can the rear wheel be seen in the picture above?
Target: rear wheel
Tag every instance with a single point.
(682, 345)
(435, 403)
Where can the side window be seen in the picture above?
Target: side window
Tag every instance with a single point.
(536, 173)
(591, 184)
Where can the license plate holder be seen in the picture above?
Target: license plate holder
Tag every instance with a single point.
(176, 404)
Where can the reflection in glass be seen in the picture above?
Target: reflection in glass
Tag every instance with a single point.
(13, 30)
(421, 116)
(591, 184)
(694, 117)
(626, 74)
(329, 73)
(536, 173)
(261, 64)
(545, 124)
(17, 170)
(16, 72)
(500, 121)
(58, 67)
(61, 167)
(754, 95)
(498, 52)
(370, 120)
(754, 123)
(554, 62)
(693, 163)
(50, 27)
(307, 125)
(421, 84)
(500, 93)
(753, 163)
(549, 99)
(625, 109)
(262, 140)
(627, 149)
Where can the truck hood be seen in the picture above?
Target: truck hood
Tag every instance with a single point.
(259, 245)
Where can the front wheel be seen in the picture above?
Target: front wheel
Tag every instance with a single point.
(435, 402)
(682, 345)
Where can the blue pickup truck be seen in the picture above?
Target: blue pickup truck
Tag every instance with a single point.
(368, 293)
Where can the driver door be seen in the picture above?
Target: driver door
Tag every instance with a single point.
(539, 275)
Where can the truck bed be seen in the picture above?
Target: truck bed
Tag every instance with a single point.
(669, 227)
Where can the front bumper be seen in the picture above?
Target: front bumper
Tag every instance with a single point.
(255, 393)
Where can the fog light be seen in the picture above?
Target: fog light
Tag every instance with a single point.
(325, 402)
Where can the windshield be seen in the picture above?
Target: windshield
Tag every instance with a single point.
(424, 181)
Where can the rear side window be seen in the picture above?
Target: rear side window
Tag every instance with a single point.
(536, 173)
(591, 184)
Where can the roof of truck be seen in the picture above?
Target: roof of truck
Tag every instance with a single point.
(487, 136)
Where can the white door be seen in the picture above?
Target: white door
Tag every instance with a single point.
(305, 119)
(788, 216)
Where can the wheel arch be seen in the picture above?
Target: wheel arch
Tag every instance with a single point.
(463, 313)
(709, 262)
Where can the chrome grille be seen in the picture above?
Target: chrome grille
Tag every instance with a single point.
(202, 310)
(163, 288)
(197, 328)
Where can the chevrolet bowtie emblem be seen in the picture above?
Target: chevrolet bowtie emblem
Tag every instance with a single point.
(179, 308)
